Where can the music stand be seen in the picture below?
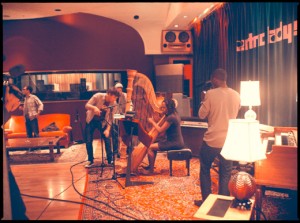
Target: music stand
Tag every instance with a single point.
(131, 128)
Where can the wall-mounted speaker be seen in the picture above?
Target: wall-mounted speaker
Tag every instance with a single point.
(177, 41)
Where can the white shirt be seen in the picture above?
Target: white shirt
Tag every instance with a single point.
(32, 105)
(219, 105)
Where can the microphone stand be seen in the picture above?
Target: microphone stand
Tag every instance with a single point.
(114, 177)
(102, 162)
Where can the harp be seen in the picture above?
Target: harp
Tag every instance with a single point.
(145, 103)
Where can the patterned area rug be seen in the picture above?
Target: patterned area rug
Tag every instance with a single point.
(75, 153)
(168, 198)
(280, 205)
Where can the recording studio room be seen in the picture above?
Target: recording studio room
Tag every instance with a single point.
(150, 111)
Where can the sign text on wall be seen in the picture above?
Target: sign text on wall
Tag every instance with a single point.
(285, 32)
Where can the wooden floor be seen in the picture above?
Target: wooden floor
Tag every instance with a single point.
(51, 181)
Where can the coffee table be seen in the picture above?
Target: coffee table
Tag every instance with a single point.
(32, 143)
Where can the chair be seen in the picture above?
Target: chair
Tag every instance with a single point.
(181, 154)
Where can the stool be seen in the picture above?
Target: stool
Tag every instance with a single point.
(181, 154)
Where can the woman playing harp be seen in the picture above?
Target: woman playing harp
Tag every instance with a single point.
(140, 91)
(172, 128)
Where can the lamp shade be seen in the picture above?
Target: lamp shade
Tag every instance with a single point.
(250, 95)
(243, 141)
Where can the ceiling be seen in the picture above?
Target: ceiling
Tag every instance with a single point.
(163, 15)
(153, 17)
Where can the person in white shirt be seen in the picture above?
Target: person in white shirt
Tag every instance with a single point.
(219, 105)
(99, 116)
(121, 109)
(31, 110)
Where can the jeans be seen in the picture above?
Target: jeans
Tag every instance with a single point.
(32, 126)
(207, 156)
(115, 138)
(89, 136)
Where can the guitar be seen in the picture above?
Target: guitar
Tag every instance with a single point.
(103, 111)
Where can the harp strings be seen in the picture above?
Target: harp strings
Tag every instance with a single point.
(144, 100)
(140, 97)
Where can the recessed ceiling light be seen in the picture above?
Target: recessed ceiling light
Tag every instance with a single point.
(185, 16)
(176, 26)
(205, 11)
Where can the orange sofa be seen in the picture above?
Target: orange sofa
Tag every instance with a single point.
(15, 127)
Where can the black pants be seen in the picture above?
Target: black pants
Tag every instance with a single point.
(89, 136)
(207, 156)
(32, 126)
(115, 137)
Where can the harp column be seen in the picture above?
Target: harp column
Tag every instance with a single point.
(129, 89)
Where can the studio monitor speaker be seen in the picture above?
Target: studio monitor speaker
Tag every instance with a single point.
(177, 41)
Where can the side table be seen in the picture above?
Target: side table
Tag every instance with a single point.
(207, 212)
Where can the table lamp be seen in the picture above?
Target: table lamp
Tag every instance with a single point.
(242, 144)
(250, 96)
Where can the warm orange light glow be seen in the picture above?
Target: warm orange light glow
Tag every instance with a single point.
(11, 123)
(209, 10)
(68, 19)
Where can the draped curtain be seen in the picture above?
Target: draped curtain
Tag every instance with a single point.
(64, 80)
(252, 41)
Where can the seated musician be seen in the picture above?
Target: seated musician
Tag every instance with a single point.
(122, 102)
(171, 127)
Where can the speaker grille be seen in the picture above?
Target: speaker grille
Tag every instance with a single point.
(177, 41)
(183, 37)
(170, 37)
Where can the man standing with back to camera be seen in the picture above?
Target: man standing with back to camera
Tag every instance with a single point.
(219, 105)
